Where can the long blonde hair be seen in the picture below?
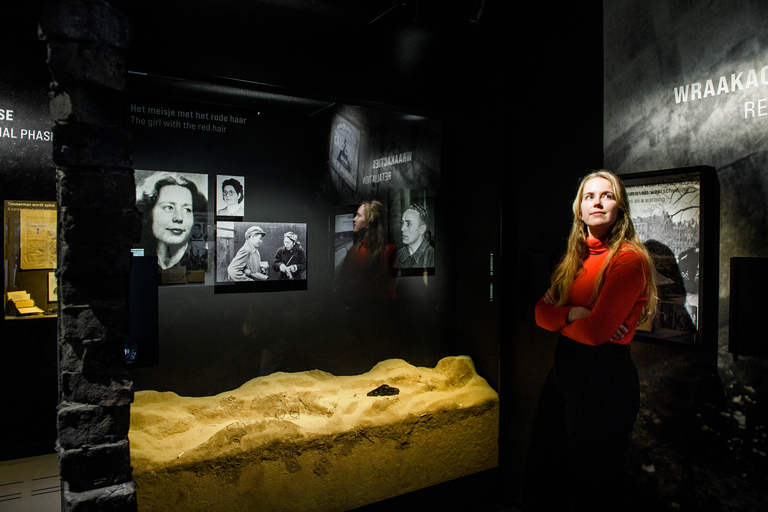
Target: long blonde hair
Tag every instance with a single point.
(375, 233)
(621, 236)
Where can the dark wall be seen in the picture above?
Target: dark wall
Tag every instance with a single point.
(26, 173)
(426, 55)
(31, 386)
(559, 142)
(701, 422)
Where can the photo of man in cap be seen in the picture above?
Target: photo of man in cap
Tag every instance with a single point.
(416, 252)
(247, 264)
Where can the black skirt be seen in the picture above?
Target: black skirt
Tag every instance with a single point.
(584, 420)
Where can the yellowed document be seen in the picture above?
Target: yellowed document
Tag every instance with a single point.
(38, 239)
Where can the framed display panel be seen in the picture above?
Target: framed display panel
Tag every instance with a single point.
(30, 258)
(260, 256)
(231, 197)
(141, 340)
(748, 278)
(676, 214)
(174, 208)
(412, 230)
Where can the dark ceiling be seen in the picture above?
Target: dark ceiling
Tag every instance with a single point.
(432, 56)
(412, 54)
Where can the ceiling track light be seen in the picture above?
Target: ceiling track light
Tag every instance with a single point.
(397, 6)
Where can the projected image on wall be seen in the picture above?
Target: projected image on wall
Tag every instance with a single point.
(248, 252)
(344, 150)
(412, 231)
(342, 239)
(231, 196)
(417, 250)
(174, 206)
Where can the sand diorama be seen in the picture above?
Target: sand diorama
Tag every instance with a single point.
(312, 441)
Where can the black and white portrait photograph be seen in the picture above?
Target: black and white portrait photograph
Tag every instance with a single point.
(230, 201)
(249, 252)
(174, 206)
(412, 228)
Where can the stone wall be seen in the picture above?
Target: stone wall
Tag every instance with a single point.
(98, 223)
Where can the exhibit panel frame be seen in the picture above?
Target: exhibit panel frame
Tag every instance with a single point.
(175, 212)
(29, 246)
(676, 215)
(748, 277)
(281, 252)
(206, 340)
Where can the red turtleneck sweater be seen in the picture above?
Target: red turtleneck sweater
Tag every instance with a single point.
(620, 301)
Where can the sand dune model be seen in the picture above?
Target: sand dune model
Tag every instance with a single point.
(313, 441)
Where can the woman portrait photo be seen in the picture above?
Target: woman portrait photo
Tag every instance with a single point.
(231, 203)
(171, 203)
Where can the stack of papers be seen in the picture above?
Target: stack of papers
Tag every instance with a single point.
(23, 303)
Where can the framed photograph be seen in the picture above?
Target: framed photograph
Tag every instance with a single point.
(29, 257)
(260, 256)
(53, 287)
(412, 231)
(174, 208)
(676, 215)
(231, 196)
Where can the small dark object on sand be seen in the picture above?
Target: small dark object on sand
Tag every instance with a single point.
(384, 390)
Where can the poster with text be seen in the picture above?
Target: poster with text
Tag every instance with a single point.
(666, 218)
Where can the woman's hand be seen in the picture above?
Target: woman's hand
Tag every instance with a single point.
(620, 332)
(576, 313)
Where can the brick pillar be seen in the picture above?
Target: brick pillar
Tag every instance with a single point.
(98, 223)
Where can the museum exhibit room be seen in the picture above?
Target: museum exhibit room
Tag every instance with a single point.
(332, 255)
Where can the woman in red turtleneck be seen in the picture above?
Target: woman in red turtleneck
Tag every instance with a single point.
(600, 290)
